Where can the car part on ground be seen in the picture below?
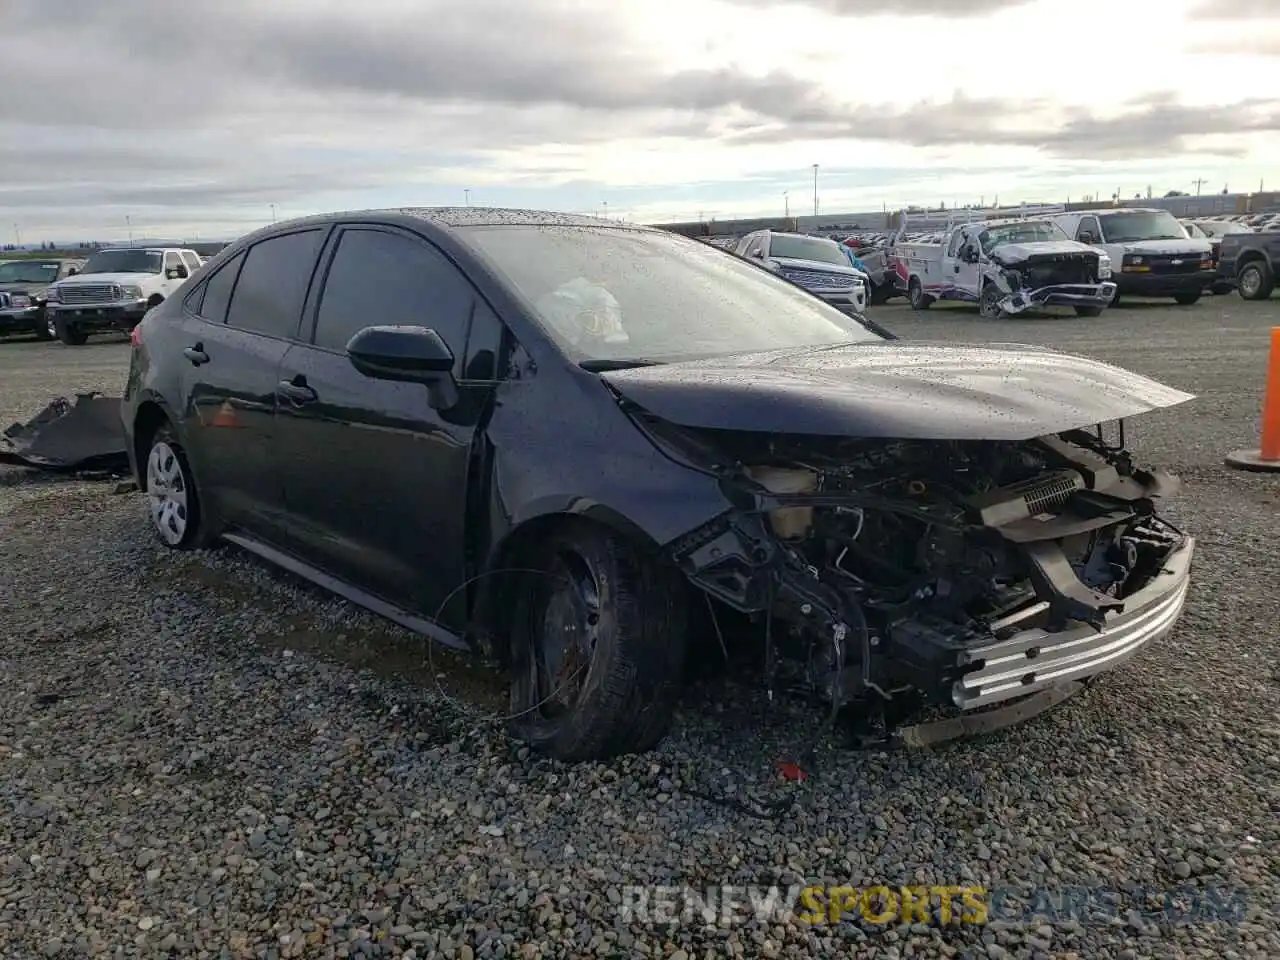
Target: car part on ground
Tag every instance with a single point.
(901, 519)
(66, 436)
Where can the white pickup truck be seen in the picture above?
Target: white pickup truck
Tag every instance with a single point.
(1006, 267)
(115, 288)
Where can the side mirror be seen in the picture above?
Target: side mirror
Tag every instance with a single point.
(1086, 237)
(176, 273)
(406, 353)
(73, 271)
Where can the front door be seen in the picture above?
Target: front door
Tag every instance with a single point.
(237, 327)
(375, 479)
(959, 274)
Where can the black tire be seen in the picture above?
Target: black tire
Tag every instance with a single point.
(42, 326)
(1255, 281)
(195, 532)
(620, 696)
(916, 296)
(1219, 289)
(1188, 298)
(880, 294)
(1088, 311)
(69, 333)
(989, 303)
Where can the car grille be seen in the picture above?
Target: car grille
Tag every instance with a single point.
(1181, 263)
(1043, 273)
(819, 280)
(82, 293)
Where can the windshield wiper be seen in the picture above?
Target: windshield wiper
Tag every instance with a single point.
(600, 366)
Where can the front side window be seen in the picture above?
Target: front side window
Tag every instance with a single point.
(381, 278)
(273, 282)
(124, 261)
(608, 295)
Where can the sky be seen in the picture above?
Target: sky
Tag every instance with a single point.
(192, 120)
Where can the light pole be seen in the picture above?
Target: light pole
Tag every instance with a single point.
(466, 197)
(129, 223)
(815, 189)
(17, 235)
(273, 213)
(606, 209)
(786, 205)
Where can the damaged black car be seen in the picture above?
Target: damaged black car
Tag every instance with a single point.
(555, 440)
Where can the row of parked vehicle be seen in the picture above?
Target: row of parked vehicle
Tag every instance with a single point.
(68, 298)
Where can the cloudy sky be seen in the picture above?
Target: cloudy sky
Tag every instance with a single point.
(193, 119)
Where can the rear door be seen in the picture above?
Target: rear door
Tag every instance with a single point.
(375, 480)
(248, 312)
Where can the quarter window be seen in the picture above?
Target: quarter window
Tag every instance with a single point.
(214, 295)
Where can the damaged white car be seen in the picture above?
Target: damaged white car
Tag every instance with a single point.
(1007, 267)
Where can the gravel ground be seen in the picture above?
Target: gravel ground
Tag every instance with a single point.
(202, 757)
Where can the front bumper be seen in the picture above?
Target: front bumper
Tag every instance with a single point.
(1163, 284)
(20, 318)
(105, 315)
(855, 297)
(1061, 295)
(1035, 660)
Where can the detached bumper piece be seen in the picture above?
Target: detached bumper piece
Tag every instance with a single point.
(67, 436)
(1034, 660)
(1060, 295)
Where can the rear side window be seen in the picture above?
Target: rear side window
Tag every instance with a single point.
(210, 300)
(273, 284)
(386, 278)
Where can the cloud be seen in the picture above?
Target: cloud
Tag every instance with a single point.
(1236, 10)
(1265, 46)
(945, 9)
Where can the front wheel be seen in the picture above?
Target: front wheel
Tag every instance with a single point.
(1255, 280)
(172, 502)
(598, 643)
(1188, 298)
(44, 326)
(989, 303)
(1088, 311)
(69, 333)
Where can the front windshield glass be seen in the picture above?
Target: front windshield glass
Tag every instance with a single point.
(616, 296)
(1131, 227)
(806, 248)
(1222, 229)
(1030, 231)
(124, 261)
(29, 271)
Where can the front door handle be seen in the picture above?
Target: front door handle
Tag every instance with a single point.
(297, 390)
(196, 355)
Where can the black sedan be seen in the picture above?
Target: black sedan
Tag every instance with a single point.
(558, 441)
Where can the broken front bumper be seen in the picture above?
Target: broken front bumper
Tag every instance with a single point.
(1035, 660)
(1097, 295)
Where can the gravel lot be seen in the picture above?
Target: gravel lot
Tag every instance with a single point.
(202, 757)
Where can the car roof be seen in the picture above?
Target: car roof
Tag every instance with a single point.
(449, 218)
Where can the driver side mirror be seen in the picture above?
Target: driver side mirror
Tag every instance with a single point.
(969, 254)
(73, 271)
(1086, 236)
(409, 354)
(176, 273)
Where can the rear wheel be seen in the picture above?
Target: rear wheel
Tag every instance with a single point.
(172, 501)
(1255, 280)
(1188, 298)
(69, 333)
(1088, 311)
(598, 642)
(916, 296)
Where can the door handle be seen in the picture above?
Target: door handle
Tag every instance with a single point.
(297, 390)
(196, 355)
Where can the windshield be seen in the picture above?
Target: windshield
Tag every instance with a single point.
(29, 271)
(610, 295)
(123, 261)
(1141, 225)
(1031, 231)
(806, 248)
(1221, 229)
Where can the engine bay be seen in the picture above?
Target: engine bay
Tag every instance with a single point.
(876, 565)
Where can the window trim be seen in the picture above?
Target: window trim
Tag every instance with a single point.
(237, 259)
(326, 231)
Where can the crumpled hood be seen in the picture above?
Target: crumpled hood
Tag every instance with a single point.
(919, 391)
(1143, 248)
(134, 278)
(1017, 252)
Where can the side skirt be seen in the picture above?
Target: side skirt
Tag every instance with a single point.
(410, 621)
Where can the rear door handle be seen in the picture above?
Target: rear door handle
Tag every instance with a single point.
(297, 390)
(196, 355)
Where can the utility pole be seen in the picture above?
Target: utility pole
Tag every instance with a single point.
(17, 234)
(786, 205)
(466, 197)
(1199, 183)
(273, 213)
(815, 189)
(129, 222)
(606, 209)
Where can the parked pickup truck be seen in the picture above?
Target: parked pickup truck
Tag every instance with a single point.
(24, 287)
(115, 289)
(1249, 259)
(815, 263)
(1006, 267)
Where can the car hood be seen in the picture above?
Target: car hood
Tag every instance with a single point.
(1017, 252)
(839, 269)
(80, 278)
(919, 391)
(23, 287)
(1146, 248)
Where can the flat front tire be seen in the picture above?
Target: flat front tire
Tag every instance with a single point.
(598, 646)
(44, 326)
(173, 504)
(989, 303)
